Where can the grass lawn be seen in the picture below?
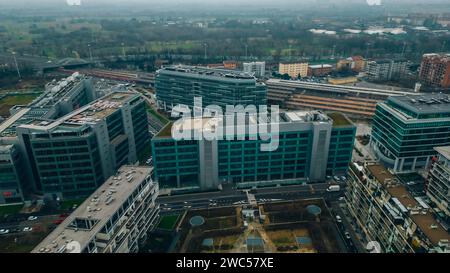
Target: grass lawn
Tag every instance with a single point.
(157, 115)
(10, 209)
(168, 221)
(9, 101)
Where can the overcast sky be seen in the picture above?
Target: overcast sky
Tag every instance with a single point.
(259, 3)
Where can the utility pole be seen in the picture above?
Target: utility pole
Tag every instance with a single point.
(334, 51)
(90, 52)
(17, 66)
(205, 46)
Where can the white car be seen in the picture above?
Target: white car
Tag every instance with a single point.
(338, 219)
(4, 231)
(347, 235)
(27, 229)
(32, 218)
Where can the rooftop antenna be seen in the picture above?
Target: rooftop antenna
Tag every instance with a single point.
(17, 66)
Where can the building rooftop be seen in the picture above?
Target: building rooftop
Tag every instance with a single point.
(423, 218)
(424, 104)
(315, 66)
(97, 209)
(90, 113)
(199, 71)
(211, 124)
(55, 91)
(444, 151)
(339, 120)
(342, 89)
(101, 108)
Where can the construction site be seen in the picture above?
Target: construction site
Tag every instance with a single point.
(301, 226)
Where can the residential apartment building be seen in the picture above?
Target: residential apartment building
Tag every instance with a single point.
(258, 69)
(311, 145)
(73, 155)
(386, 70)
(351, 100)
(294, 69)
(354, 63)
(114, 219)
(181, 84)
(407, 128)
(435, 70)
(319, 70)
(387, 213)
(438, 187)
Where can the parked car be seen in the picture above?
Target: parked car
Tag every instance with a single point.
(4, 231)
(338, 219)
(32, 218)
(347, 235)
(27, 229)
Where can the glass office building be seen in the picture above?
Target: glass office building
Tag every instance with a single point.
(72, 156)
(407, 128)
(180, 84)
(311, 145)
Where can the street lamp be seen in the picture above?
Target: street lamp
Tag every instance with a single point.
(17, 66)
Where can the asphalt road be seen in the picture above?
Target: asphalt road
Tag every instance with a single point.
(233, 196)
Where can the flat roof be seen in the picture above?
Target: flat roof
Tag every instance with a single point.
(99, 207)
(207, 72)
(424, 104)
(344, 89)
(212, 123)
(443, 150)
(90, 113)
(339, 119)
(425, 221)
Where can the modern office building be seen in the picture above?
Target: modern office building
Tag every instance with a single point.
(385, 212)
(311, 145)
(181, 84)
(350, 100)
(438, 187)
(72, 156)
(407, 128)
(258, 69)
(435, 70)
(114, 219)
(294, 69)
(58, 99)
(12, 176)
(385, 70)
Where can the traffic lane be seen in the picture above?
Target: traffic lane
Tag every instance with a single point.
(234, 192)
(346, 226)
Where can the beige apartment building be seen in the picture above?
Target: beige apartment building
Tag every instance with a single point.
(294, 69)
